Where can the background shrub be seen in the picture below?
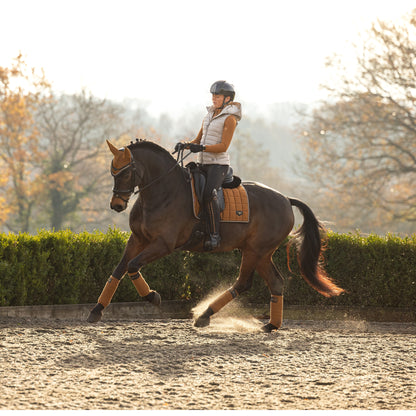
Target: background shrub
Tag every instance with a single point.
(67, 268)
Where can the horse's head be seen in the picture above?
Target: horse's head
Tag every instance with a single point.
(123, 171)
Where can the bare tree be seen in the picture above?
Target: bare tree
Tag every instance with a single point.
(73, 130)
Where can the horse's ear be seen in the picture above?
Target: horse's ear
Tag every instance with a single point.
(113, 149)
(121, 156)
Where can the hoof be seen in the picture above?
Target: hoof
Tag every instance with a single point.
(96, 314)
(157, 300)
(269, 328)
(154, 298)
(94, 317)
(202, 321)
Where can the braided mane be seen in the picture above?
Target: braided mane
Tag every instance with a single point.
(145, 144)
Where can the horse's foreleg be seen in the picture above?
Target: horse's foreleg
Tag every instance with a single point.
(271, 275)
(131, 250)
(143, 289)
(243, 283)
(104, 300)
(152, 252)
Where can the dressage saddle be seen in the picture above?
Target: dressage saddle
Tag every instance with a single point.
(230, 181)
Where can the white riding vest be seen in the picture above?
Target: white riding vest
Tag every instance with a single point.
(212, 128)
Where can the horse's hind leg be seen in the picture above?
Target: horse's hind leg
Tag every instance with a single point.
(243, 283)
(271, 275)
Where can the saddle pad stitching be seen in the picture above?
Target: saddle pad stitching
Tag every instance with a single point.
(234, 198)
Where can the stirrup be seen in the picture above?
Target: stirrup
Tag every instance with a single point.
(213, 242)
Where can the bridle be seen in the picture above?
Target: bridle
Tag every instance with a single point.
(131, 167)
(117, 172)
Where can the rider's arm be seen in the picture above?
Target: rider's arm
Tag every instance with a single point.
(198, 138)
(227, 135)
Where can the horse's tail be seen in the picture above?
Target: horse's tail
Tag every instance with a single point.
(309, 244)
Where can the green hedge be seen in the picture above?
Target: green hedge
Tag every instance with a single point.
(67, 268)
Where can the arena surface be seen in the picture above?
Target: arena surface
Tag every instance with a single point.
(169, 364)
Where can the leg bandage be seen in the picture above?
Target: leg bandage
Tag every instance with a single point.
(276, 310)
(108, 291)
(223, 299)
(140, 284)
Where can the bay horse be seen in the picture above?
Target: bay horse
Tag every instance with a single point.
(162, 220)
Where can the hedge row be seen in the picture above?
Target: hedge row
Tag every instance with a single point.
(67, 268)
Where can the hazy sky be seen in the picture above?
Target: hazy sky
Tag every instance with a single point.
(168, 52)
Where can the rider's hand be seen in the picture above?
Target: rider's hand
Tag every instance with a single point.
(195, 148)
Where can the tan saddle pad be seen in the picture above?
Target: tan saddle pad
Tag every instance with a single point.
(237, 208)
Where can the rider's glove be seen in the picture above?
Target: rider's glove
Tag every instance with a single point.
(195, 148)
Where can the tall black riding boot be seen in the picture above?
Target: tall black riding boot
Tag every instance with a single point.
(213, 211)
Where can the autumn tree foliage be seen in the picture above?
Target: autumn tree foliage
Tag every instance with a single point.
(52, 163)
(360, 144)
(21, 91)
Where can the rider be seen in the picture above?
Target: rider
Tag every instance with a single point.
(211, 144)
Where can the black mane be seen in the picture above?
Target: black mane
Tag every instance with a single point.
(145, 144)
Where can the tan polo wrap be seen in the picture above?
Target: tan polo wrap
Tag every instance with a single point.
(223, 299)
(108, 291)
(140, 284)
(276, 310)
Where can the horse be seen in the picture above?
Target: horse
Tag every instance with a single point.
(162, 220)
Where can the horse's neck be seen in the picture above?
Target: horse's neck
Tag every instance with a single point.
(160, 171)
(154, 163)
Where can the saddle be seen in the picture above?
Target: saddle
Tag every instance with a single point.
(232, 196)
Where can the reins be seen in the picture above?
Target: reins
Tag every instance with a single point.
(181, 156)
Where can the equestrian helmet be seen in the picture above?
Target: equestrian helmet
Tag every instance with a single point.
(223, 88)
